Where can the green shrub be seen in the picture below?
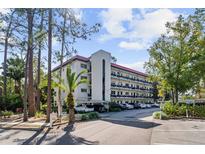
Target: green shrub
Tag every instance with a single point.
(84, 117)
(11, 102)
(93, 115)
(156, 115)
(179, 110)
(90, 116)
(43, 108)
(7, 113)
(169, 109)
(114, 109)
(39, 114)
(198, 111)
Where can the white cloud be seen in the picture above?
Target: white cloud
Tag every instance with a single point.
(113, 20)
(139, 66)
(131, 45)
(137, 29)
(153, 23)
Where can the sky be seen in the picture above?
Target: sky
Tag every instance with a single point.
(125, 33)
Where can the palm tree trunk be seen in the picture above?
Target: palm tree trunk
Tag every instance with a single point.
(32, 109)
(70, 101)
(49, 64)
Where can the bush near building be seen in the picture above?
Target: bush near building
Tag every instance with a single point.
(89, 116)
(179, 110)
(156, 115)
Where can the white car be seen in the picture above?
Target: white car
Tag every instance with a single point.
(148, 106)
(129, 106)
(142, 106)
(83, 108)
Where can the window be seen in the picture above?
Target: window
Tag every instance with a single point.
(83, 90)
(83, 66)
(113, 92)
(83, 77)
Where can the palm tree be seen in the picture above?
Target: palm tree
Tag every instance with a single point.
(16, 72)
(73, 81)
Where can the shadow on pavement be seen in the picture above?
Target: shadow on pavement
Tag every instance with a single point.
(137, 124)
(69, 139)
(33, 139)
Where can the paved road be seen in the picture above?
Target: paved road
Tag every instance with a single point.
(127, 127)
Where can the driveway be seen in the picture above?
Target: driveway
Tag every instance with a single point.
(133, 127)
(126, 127)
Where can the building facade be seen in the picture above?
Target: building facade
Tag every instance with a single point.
(108, 82)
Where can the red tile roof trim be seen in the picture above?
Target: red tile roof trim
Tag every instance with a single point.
(128, 69)
(85, 59)
(77, 57)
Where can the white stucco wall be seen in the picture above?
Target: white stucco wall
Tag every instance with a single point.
(97, 75)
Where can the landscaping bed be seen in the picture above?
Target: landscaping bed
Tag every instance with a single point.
(181, 111)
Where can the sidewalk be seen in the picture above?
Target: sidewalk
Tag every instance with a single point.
(24, 125)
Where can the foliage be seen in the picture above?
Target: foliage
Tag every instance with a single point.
(6, 113)
(114, 109)
(73, 80)
(84, 117)
(178, 59)
(39, 114)
(179, 110)
(15, 71)
(93, 115)
(156, 115)
(90, 116)
(11, 103)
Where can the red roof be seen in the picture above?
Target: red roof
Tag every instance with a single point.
(77, 57)
(128, 69)
(85, 59)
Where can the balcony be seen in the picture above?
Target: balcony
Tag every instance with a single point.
(129, 96)
(130, 87)
(128, 78)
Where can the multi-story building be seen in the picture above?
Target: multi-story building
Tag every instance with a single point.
(108, 82)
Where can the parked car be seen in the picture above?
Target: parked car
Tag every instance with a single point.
(123, 106)
(99, 107)
(83, 108)
(136, 105)
(129, 106)
(142, 105)
(148, 105)
(155, 105)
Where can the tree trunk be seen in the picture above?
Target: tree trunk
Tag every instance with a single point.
(173, 96)
(59, 102)
(5, 67)
(49, 64)
(39, 66)
(8, 33)
(31, 99)
(70, 101)
(176, 95)
(25, 98)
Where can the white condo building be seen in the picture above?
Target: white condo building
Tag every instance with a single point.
(108, 82)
